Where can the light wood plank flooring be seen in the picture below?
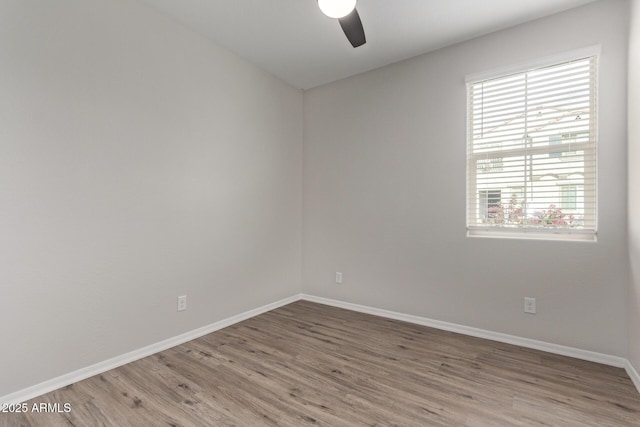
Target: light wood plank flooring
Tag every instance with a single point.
(307, 364)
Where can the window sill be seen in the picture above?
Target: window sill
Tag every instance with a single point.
(552, 235)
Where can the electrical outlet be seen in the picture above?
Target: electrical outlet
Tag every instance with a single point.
(182, 303)
(530, 305)
(338, 277)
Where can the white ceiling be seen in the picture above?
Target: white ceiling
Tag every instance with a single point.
(293, 40)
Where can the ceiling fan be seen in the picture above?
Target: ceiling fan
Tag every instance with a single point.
(345, 12)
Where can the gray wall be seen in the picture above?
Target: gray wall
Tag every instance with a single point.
(634, 186)
(138, 162)
(384, 194)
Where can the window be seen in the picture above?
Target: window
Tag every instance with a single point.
(555, 140)
(531, 151)
(569, 197)
(490, 204)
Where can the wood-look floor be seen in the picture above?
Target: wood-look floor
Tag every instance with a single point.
(309, 364)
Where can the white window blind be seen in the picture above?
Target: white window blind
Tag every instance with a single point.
(531, 150)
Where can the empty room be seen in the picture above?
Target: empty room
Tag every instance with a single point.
(317, 212)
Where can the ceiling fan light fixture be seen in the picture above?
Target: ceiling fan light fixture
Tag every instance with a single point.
(337, 8)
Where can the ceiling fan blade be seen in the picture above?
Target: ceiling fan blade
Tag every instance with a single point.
(352, 27)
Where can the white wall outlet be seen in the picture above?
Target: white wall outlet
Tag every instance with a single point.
(182, 303)
(338, 277)
(530, 305)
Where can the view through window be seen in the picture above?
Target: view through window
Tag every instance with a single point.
(531, 150)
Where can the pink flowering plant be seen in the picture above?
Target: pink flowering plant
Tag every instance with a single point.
(495, 215)
(514, 213)
(553, 217)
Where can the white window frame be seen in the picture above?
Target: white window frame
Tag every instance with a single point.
(571, 234)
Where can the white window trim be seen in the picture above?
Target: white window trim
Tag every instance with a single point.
(546, 61)
(570, 235)
(537, 234)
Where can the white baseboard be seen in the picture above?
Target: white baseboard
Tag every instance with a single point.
(605, 359)
(98, 368)
(591, 356)
(633, 374)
